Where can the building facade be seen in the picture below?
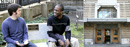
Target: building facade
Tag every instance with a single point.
(106, 21)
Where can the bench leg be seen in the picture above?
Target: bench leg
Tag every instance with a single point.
(51, 44)
(74, 42)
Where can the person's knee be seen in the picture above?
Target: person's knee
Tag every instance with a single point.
(30, 44)
(11, 45)
(51, 44)
(74, 40)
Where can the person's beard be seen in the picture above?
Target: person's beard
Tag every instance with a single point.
(58, 15)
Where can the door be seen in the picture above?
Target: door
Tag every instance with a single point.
(115, 36)
(99, 35)
(107, 34)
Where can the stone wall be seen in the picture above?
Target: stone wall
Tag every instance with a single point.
(118, 1)
(125, 10)
(4, 14)
(1, 19)
(34, 10)
(125, 33)
(122, 1)
(89, 10)
(88, 31)
(91, 1)
(69, 2)
(29, 12)
(125, 30)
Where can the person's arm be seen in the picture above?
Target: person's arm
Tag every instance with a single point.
(5, 31)
(50, 32)
(68, 31)
(25, 36)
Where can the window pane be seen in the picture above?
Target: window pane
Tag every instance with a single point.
(100, 14)
(107, 12)
(115, 38)
(99, 32)
(98, 38)
(115, 32)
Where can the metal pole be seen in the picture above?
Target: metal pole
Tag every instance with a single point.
(77, 17)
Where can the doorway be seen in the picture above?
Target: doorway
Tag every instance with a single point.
(107, 36)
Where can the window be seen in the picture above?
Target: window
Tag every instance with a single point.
(107, 12)
(115, 32)
(99, 32)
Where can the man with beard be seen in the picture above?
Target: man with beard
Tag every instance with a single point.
(59, 24)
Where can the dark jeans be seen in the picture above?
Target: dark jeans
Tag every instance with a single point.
(30, 44)
(58, 45)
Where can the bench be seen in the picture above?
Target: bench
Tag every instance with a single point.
(38, 31)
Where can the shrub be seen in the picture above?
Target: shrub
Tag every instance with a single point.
(1, 37)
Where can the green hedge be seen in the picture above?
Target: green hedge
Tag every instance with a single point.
(1, 37)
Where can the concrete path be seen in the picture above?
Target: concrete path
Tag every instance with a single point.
(41, 44)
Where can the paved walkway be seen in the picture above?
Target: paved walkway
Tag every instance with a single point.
(108, 45)
(41, 44)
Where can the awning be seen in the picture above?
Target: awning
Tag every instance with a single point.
(105, 20)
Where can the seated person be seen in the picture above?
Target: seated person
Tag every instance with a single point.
(59, 24)
(14, 28)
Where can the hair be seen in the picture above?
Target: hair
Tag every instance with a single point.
(13, 8)
(62, 7)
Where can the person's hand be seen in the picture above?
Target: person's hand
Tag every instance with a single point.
(19, 44)
(26, 42)
(67, 43)
(61, 43)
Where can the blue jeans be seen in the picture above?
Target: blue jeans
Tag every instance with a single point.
(30, 44)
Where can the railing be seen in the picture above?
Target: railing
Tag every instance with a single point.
(26, 2)
(5, 3)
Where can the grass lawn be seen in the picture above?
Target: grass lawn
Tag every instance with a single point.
(2, 45)
(78, 34)
(39, 41)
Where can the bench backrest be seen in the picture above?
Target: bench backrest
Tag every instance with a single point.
(37, 31)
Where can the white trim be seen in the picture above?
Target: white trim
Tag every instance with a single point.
(115, 5)
(97, 6)
(67, 28)
(50, 28)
